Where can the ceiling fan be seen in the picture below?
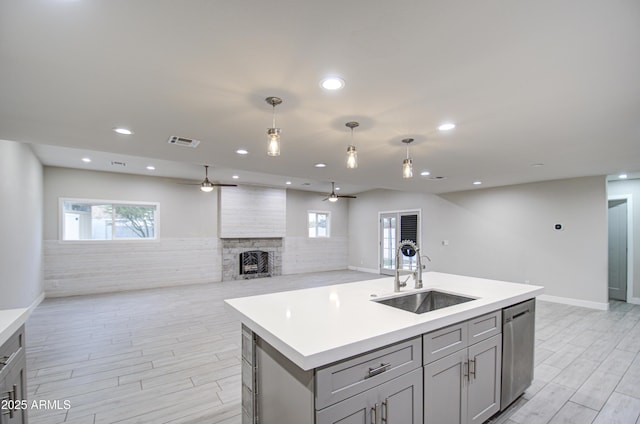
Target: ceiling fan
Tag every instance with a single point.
(333, 197)
(206, 185)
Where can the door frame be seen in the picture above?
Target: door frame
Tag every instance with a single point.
(629, 202)
(417, 211)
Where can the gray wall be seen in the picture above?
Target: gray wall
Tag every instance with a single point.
(304, 254)
(504, 233)
(185, 211)
(631, 187)
(299, 202)
(187, 250)
(20, 226)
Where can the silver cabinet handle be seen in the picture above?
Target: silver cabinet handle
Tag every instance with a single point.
(474, 368)
(465, 370)
(15, 400)
(378, 370)
(385, 416)
(375, 414)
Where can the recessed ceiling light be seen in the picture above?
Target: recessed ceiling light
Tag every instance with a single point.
(123, 131)
(332, 83)
(337, 188)
(623, 176)
(242, 151)
(151, 167)
(235, 177)
(425, 173)
(320, 165)
(288, 183)
(477, 182)
(86, 160)
(447, 126)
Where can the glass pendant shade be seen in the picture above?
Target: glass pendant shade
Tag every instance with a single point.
(274, 142)
(273, 149)
(333, 198)
(352, 157)
(407, 168)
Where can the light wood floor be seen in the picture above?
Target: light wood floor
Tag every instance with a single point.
(172, 356)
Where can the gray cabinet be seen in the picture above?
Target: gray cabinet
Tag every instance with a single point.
(448, 376)
(398, 401)
(13, 380)
(485, 362)
(463, 387)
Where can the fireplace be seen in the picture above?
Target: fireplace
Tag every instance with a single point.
(267, 262)
(254, 262)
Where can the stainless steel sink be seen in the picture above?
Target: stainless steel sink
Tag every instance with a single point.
(424, 301)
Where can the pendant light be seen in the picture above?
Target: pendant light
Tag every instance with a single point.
(274, 133)
(407, 164)
(352, 154)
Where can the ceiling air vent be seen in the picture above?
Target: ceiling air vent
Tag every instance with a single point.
(183, 141)
(118, 163)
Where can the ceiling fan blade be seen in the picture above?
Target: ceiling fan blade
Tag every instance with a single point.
(325, 199)
(346, 196)
(224, 185)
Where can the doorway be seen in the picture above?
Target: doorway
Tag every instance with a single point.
(618, 238)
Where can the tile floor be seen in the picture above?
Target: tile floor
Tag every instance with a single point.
(171, 355)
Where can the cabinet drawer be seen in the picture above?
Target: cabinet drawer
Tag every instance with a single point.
(445, 341)
(12, 347)
(484, 327)
(343, 379)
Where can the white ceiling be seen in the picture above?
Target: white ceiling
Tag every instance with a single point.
(526, 82)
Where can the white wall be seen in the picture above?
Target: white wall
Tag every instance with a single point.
(631, 187)
(20, 226)
(504, 233)
(252, 212)
(304, 254)
(187, 250)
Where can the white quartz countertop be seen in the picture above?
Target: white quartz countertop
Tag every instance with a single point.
(10, 322)
(317, 326)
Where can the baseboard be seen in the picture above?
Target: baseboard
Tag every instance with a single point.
(634, 300)
(35, 303)
(369, 270)
(575, 302)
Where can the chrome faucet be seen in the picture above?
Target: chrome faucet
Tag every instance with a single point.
(417, 274)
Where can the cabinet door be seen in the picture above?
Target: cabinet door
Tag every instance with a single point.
(398, 401)
(445, 390)
(401, 399)
(358, 409)
(485, 359)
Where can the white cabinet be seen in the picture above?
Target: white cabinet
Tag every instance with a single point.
(462, 372)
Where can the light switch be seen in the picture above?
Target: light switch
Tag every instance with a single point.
(445, 242)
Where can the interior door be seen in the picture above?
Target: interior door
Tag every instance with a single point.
(617, 217)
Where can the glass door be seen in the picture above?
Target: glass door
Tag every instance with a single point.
(395, 227)
(389, 241)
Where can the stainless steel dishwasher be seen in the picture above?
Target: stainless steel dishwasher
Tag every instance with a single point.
(518, 338)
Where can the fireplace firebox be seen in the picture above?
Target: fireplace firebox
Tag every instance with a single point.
(255, 263)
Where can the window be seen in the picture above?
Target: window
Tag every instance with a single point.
(319, 224)
(105, 220)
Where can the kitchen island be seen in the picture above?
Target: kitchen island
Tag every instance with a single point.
(314, 355)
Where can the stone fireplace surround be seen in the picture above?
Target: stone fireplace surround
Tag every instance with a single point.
(232, 247)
